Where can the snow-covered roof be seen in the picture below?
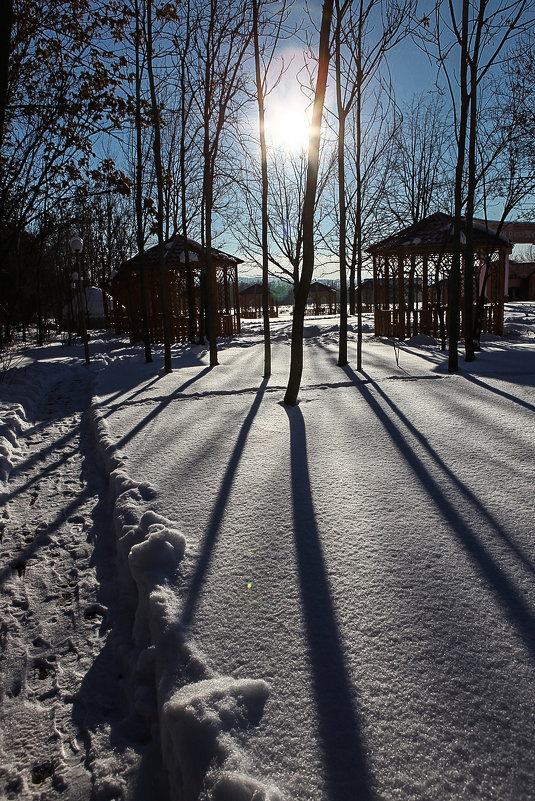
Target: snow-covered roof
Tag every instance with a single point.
(435, 231)
(175, 249)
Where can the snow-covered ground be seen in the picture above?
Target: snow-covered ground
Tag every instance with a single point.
(206, 594)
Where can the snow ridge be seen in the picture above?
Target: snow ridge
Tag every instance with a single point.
(194, 714)
(14, 418)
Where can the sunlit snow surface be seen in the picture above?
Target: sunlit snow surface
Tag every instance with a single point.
(333, 602)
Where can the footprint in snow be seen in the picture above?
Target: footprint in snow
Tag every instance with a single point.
(20, 567)
(41, 773)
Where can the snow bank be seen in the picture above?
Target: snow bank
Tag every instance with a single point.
(421, 339)
(197, 728)
(12, 422)
(13, 416)
(195, 715)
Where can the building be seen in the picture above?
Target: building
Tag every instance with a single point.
(321, 299)
(521, 280)
(251, 302)
(125, 313)
(411, 270)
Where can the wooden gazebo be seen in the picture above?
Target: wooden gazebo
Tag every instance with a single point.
(411, 270)
(125, 290)
(321, 299)
(251, 302)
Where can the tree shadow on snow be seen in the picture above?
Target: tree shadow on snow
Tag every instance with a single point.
(214, 524)
(339, 731)
(43, 537)
(507, 395)
(159, 407)
(507, 595)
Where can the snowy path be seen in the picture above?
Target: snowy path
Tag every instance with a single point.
(369, 554)
(60, 696)
(334, 602)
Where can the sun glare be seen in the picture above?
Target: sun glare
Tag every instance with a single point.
(287, 129)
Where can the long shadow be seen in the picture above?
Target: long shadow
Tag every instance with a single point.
(28, 464)
(506, 594)
(159, 408)
(339, 731)
(109, 402)
(468, 494)
(214, 524)
(500, 392)
(45, 537)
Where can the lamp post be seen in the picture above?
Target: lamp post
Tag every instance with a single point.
(76, 245)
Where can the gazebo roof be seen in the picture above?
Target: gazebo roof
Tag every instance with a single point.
(175, 253)
(252, 289)
(435, 232)
(317, 286)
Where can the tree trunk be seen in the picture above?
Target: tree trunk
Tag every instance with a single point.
(342, 233)
(139, 196)
(296, 359)
(454, 284)
(210, 281)
(469, 348)
(190, 281)
(157, 147)
(264, 198)
(358, 217)
(469, 352)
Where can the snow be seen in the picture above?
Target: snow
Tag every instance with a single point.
(206, 594)
(93, 304)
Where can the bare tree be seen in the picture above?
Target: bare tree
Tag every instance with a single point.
(364, 33)
(157, 149)
(60, 96)
(479, 33)
(301, 295)
(224, 35)
(263, 58)
(139, 180)
(420, 179)
(505, 176)
(186, 143)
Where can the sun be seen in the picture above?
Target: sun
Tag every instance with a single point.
(287, 128)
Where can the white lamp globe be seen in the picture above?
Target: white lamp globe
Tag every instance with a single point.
(76, 244)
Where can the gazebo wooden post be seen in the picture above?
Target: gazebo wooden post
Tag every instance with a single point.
(427, 326)
(401, 295)
(375, 293)
(394, 289)
(236, 299)
(386, 285)
(413, 325)
(227, 291)
(388, 332)
(500, 295)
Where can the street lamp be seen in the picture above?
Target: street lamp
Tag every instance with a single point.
(76, 245)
